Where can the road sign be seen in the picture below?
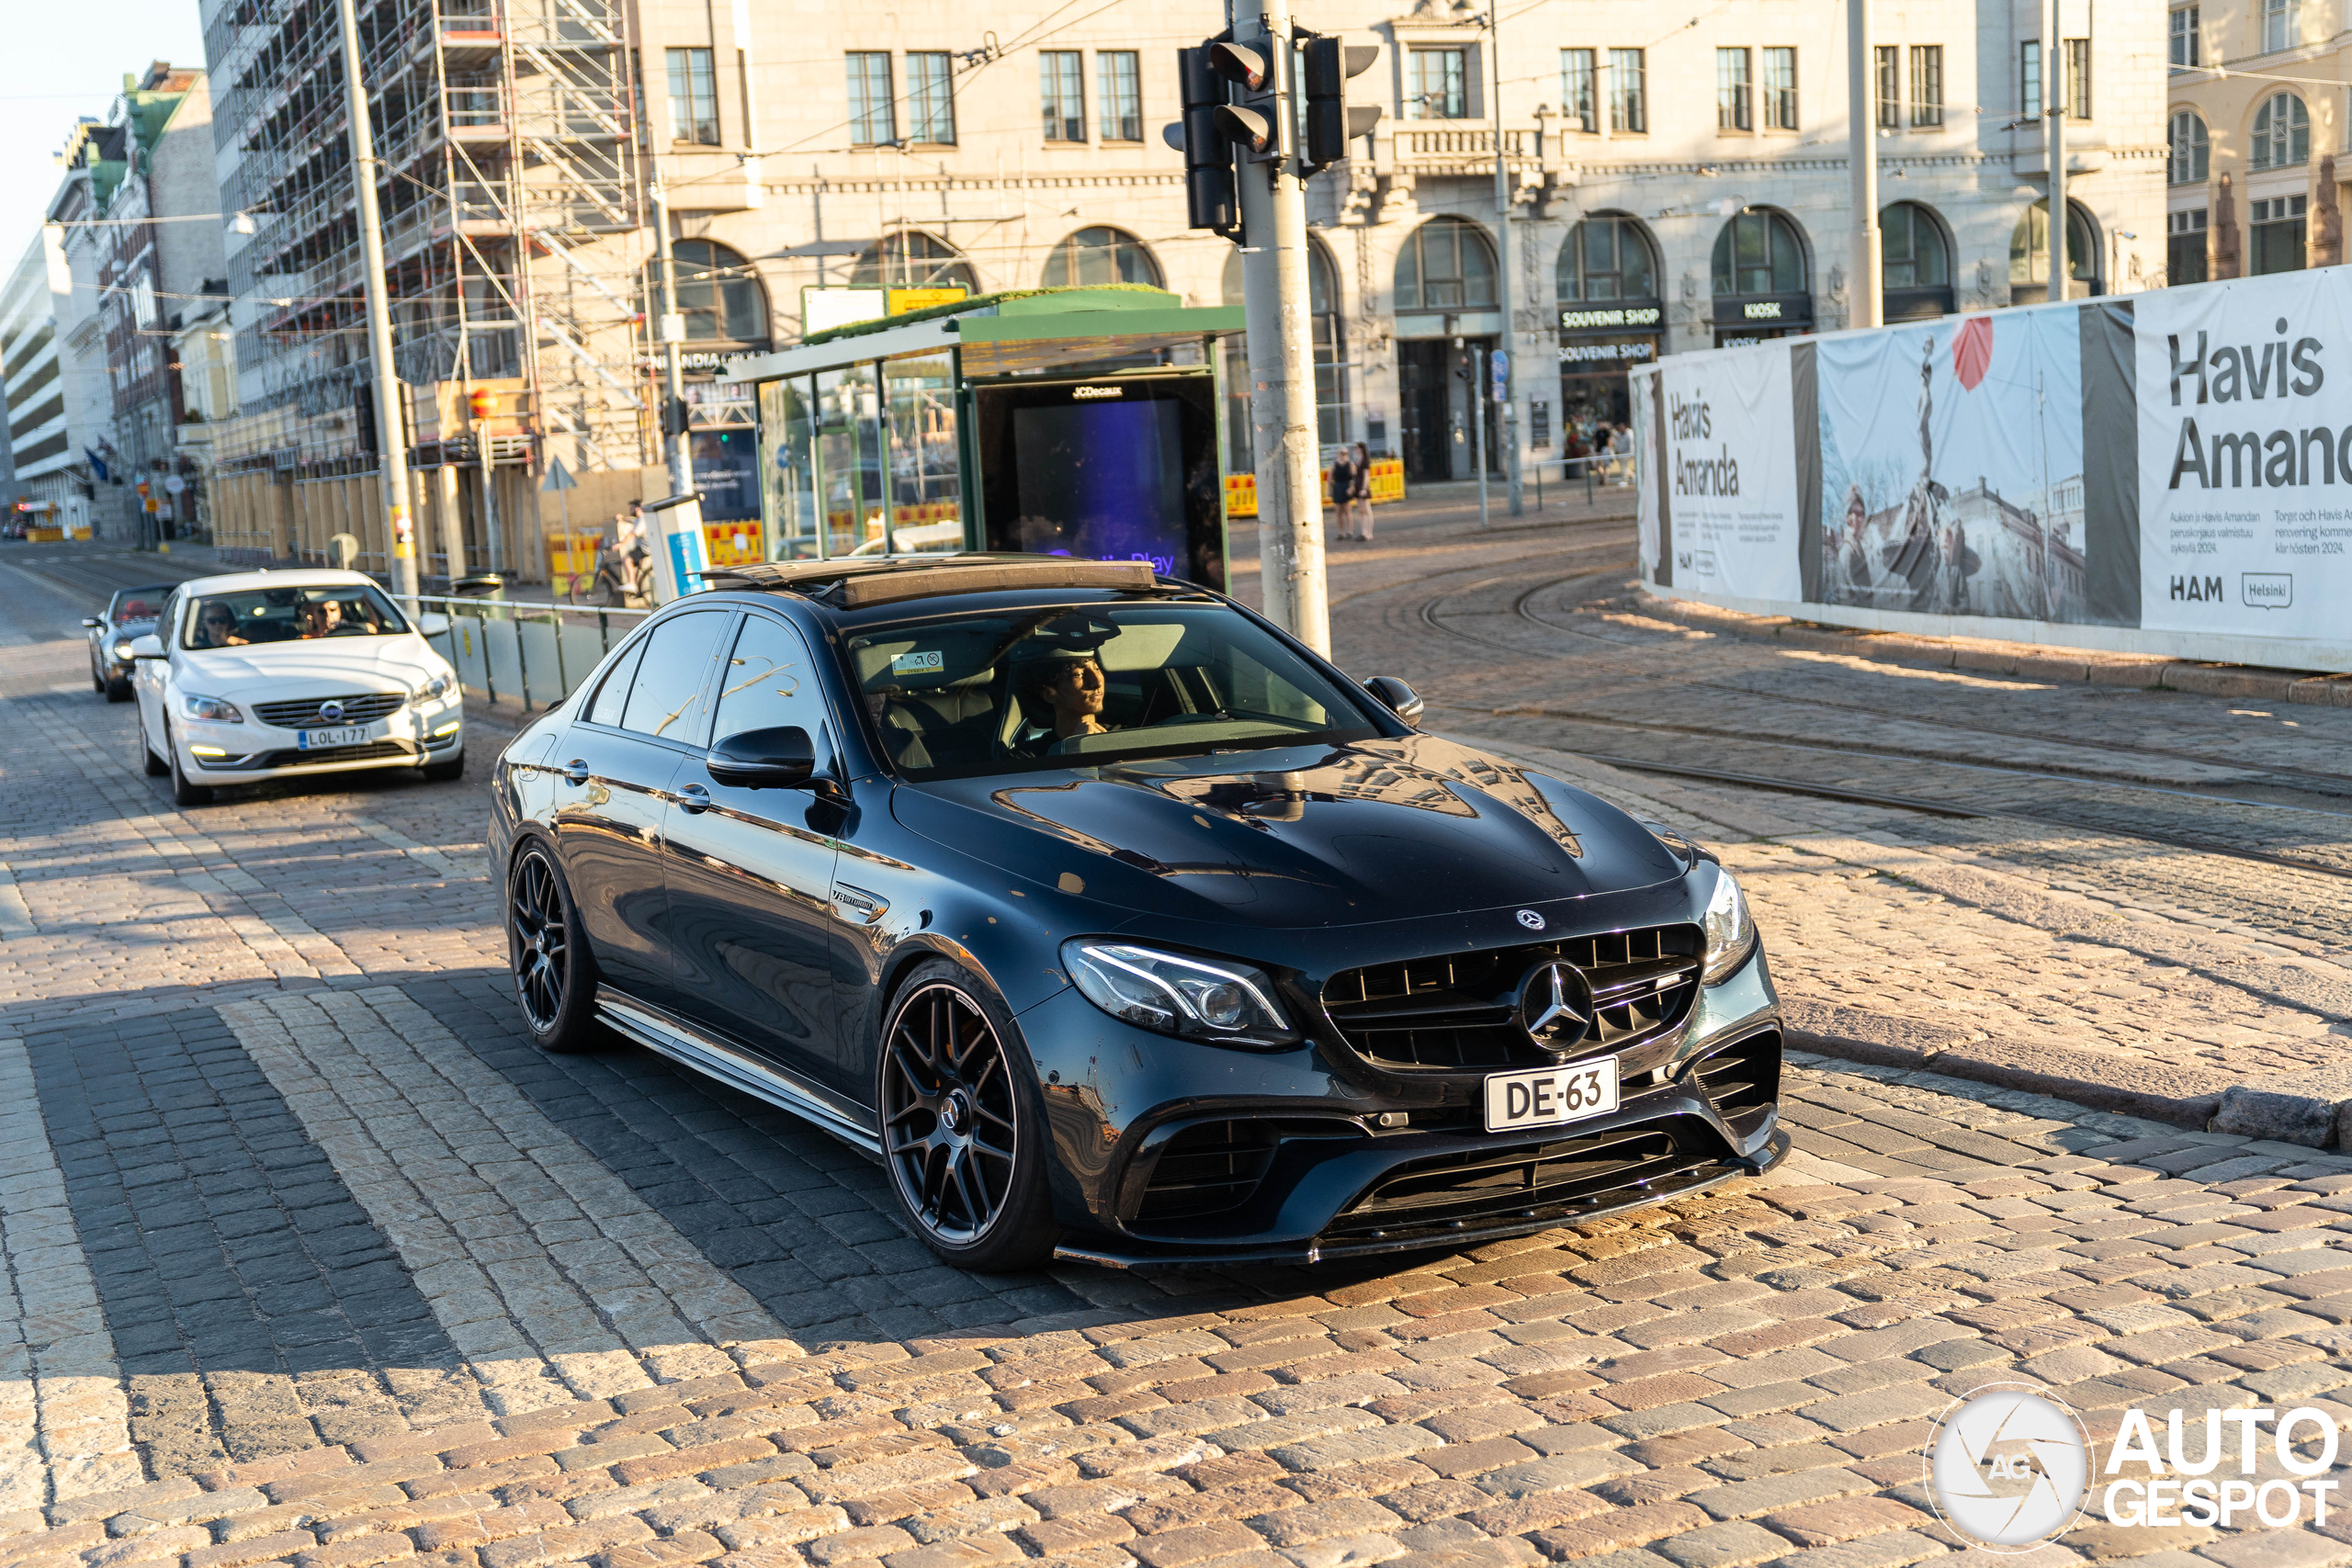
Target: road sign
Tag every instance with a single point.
(559, 477)
(1501, 361)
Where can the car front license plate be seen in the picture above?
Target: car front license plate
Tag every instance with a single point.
(1551, 1095)
(313, 739)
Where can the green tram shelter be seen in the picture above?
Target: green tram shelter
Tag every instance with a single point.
(1078, 422)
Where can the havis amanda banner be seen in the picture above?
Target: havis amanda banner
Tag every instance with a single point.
(2167, 472)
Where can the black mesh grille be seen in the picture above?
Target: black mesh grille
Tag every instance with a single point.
(1743, 1080)
(1456, 1011)
(322, 755)
(1207, 1169)
(303, 712)
(1527, 1180)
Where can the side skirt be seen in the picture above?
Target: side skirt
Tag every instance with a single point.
(666, 1035)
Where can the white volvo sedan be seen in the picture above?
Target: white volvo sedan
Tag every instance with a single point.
(264, 674)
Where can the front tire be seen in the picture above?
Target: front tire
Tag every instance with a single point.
(555, 975)
(183, 793)
(154, 766)
(963, 1135)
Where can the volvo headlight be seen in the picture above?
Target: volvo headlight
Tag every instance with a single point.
(1731, 934)
(214, 708)
(1197, 998)
(437, 686)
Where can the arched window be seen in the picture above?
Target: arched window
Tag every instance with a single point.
(2192, 151)
(1760, 253)
(1607, 257)
(2282, 133)
(1331, 361)
(913, 259)
(2030, 254)
(1446, 264)
(1098, 255)
(719, 294)
(1913, 253)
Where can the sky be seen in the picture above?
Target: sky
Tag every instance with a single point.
(56, 68)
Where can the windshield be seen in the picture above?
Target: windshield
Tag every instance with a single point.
(291, 615)
(1021, 691)
(138, 604)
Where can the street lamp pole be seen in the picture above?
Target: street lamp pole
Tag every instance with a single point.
(1862, 283)
(391, 440)
(2054, 120)
(1507, 428)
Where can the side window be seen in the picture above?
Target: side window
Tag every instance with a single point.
(167, 625)
(613, 695)
(770, 682)
(668, 699)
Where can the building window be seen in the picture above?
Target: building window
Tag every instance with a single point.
(1913, 252)
(1735, 96)
(2282, 24)
(1437, 84)
(931, 98)
(1446, 266)
(2282, 133)
(910, 258)
(718, 295)
(2029, 79)
(1606, 258)
(2029, 252)
(1779, 89)
(2187, 54)
(1887, 75)
(1578, 105)
(872, 119)
(2191, 151)
(693, 97)
(1118, 89)
(1094, 257)
(2277, 234)
(1062, 84)
(2184, 247)
(1927, 84)
(1628, 93)
(1759, 253)
(2078, 78)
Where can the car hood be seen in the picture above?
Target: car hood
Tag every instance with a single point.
(325, 665)
(1325, 836)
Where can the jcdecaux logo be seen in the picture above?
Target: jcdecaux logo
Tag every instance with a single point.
(2009, 1467)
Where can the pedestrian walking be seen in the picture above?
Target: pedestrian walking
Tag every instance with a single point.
(1360, 492)
(1343, 488)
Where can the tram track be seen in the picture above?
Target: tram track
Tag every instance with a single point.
(1794, 778)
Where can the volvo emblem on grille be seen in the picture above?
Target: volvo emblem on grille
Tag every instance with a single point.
(1555, 1006)
(330, 713)
(1531, 920)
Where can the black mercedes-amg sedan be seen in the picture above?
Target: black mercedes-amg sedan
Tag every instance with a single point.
(1118, 925)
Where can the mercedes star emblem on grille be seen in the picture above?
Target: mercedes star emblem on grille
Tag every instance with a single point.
(330, 713)
(1556, 1005)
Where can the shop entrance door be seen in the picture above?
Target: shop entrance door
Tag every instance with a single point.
(1425, 370)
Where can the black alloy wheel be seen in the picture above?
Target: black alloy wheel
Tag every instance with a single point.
(963, 1146)
(555, 978)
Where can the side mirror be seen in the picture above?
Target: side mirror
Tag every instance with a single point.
(431, 623)
(149, 646)
(92, 623)
(1396, 696)
(782, 758)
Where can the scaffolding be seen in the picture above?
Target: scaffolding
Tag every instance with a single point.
(506, 130)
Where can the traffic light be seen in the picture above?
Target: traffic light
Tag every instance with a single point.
(1210, 201)
(1330, 123)
(1259, 125)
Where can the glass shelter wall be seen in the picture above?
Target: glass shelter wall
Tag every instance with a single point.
(926, 482)
(872, 451)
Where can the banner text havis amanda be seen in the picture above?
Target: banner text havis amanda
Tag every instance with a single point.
(2253, 373)
(1718, 474)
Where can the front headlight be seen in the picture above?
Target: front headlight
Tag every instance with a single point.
(122, 651)
(436, 687)
(1196, 999)
(1731, 935)
(212, 708)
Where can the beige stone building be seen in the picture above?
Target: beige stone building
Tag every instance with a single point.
(2257, 124)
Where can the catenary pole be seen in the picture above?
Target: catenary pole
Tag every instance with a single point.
(391, 428)
(1282, 352)
(1863, 273)
(677, 446)
(2053, 122)
(1506, 427)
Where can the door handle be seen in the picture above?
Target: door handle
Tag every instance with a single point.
(694, 799)
(575, 772)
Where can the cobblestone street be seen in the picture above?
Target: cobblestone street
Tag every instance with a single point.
(310, 1259)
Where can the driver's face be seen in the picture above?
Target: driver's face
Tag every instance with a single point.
(217, 626)
(1078, 688)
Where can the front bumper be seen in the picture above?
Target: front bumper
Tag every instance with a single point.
(249, 752)
(1178, 1154)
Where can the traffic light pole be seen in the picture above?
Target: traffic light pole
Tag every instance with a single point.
(677, 541)
(1506, 427)
(1282, 355)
